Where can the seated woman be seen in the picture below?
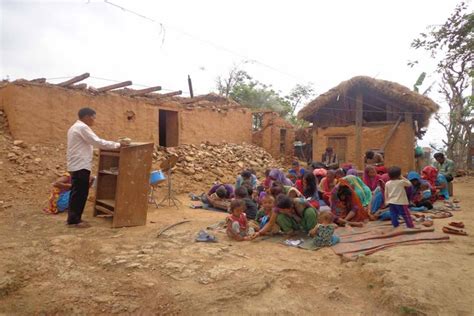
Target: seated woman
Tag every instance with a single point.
(437, 181)
(246, 178)
(290, 215)
(371, 178)
(363, 191)
(339, 173)
(346, 205)
(219, 196)
(327, 184)
(310, 190)
(279, 176)
(59, 198)
(378, 209)
(419, 194)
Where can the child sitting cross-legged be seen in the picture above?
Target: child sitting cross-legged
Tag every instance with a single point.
(237, 223)
(323, 232)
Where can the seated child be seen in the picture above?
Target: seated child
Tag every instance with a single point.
(323, 232)
(59, 197)
(264, 214)
(425, 191)
(251, 207)
(237, 224)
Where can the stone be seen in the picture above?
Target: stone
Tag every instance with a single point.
(19, 143)
(37, 160)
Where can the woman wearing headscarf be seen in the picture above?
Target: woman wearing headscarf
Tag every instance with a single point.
(278, 176)
(438, 182)
(371, 178)
(420, 193)
(363, 191)
(345, 203)
(327, 184)
(377, 208)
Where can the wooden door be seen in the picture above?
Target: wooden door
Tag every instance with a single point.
(339, 146)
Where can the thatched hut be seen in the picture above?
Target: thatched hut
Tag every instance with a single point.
(363, 113)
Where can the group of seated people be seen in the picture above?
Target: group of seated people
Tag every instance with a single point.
(316, 200)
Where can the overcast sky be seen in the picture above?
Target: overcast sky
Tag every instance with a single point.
(286, 42)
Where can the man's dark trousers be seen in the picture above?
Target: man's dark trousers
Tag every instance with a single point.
(79, 194)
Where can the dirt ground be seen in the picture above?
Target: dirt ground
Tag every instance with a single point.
(47, 268)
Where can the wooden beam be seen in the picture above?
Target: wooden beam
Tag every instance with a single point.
(144, 91)
(358, 121)
(390, 134)
(74, 80)
(80, 86)
(170, 94)
(114, 86)
(38, 80)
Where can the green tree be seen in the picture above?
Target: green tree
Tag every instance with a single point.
(452, 45)
(299, 95)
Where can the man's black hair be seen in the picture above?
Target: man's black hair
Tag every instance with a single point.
(85, 112)
(438, 155)
(221, 192)
(283, 201)
(394, 172)
(242, 192)
(246, 174)
(369, 154)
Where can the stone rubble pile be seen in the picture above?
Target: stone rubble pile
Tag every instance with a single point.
(201, 165)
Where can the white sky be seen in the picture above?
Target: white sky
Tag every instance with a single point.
(323, 42)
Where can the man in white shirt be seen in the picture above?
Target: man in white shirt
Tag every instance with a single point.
(80, 142)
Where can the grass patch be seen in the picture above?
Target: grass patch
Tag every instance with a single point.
(407, 310)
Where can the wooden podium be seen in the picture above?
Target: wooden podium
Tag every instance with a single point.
(123, 184)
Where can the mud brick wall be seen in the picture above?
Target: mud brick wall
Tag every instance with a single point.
(215, 125)
(269, 136)
(43, 114)
(399, 151)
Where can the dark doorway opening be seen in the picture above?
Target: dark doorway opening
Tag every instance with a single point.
(168, 128)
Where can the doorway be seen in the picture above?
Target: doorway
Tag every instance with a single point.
(168, 128)
(339, 146)
(282, 141)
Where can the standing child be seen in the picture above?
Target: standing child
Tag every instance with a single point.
(396, 197)
(323, 232)
(237, 224)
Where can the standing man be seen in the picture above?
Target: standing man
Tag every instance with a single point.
(80, 142)
(445, 166)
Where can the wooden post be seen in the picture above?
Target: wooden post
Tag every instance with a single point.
(390, 134)
(314, 137)
(74, 80)
(358, 121)
(410, 141)
(114, 86)
(190, 84)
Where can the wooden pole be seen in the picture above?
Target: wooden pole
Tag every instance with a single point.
(114, 86)
(358, 121)
(74, 80)
(144, 91)
(190, 85)
(390, 134)
(80, 86)
(410, 140)
(314, 137)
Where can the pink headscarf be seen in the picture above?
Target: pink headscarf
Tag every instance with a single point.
(371, 182)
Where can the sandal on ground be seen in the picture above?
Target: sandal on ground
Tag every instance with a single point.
(457, 224)
(449, 230)
(427, 223)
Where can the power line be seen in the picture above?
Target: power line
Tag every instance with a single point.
(208, 42)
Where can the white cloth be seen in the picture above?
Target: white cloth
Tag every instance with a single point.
(395, 192)
(80, 142)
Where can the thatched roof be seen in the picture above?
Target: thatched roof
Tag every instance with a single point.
(393, 92)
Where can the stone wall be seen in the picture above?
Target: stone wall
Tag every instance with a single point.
(399, 151)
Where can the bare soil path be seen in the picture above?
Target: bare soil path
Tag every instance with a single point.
(48, 268)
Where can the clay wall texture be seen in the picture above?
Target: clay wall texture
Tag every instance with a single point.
(43, 114)
(214, 125)
(399, 151)
(269, 136)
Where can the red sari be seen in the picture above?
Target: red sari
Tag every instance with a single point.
(341, 208)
